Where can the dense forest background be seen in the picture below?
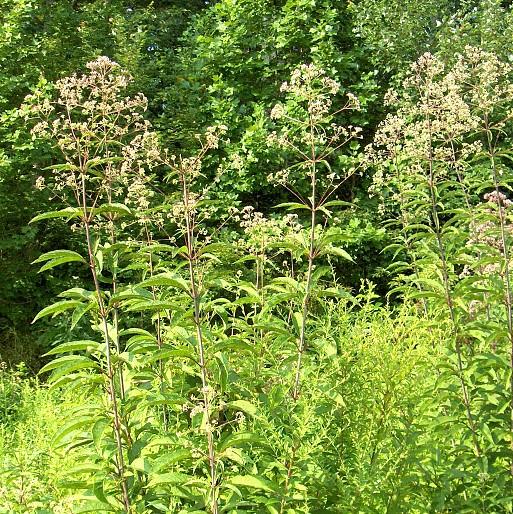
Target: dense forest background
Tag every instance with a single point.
(353, 355)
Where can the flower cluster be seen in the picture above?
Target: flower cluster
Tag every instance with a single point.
(438, 112)
(262, 231)
(306, 75)
(488, 87)
(306, 118)
(102, 134)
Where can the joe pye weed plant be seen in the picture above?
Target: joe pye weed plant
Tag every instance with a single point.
(310, 136)
(108, 148)
(450, 153)
(103, 139)
(310, 139)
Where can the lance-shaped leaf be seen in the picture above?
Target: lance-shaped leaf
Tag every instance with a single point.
(253, 482)
(113, 208)
(78, 293)
(150, 305)
(79, 312)
(57, 257)
(339, 252)
(166, 280)
(68, 364)
(338, 203)
(170, 458)
(242, 405)
(75, 346)
(97, 161)
(241, 439)
(294, 206)
(63, 167)
(57, 308)
(61, 437)
(172, 478)
(68, 212)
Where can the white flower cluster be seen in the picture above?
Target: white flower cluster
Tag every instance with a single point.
(306, 123)
(439, 112)
(106, 143)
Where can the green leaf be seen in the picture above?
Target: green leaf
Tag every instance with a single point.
(338, 203)
(131, 293)
(72, 426)
(58, 257)
(79, 312)
(165, 354)
(244, 406)
(151, 305)
(233, 343)
(74, 346)
(339, 252)
(69, 363)
(222, 371)
(62, 167)
(56, 262)
(166, 280)
(89, 468)
(168, 459)
(77, 293)
(141, 464)
(253, 482)
(95, 506)
(294, 206)
(59, 254)
(57, 308)
(241, 439)
(97, 161)
(68, 212)
(297, 320)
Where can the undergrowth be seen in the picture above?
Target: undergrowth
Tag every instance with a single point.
(359, 452)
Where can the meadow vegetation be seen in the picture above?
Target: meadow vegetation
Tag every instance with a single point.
(270, 250)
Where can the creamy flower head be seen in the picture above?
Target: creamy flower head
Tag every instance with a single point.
(102, 63)
(106, 144)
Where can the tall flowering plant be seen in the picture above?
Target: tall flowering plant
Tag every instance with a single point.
(437, 157)
(107, 148)
(308, 135)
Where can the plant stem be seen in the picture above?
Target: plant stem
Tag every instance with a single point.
(289, 466)
(149, 242)
(115, 313)
(191, 258)
(111, 387)
(308, 285)
(447, 290)
(507, 278)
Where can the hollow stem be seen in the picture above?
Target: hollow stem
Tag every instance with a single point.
(308, 284)
(507, 278)
(447, 290)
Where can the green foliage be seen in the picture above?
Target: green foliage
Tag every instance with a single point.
(439, 153)
(212, 342)
(397, 32)
(32, 472)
